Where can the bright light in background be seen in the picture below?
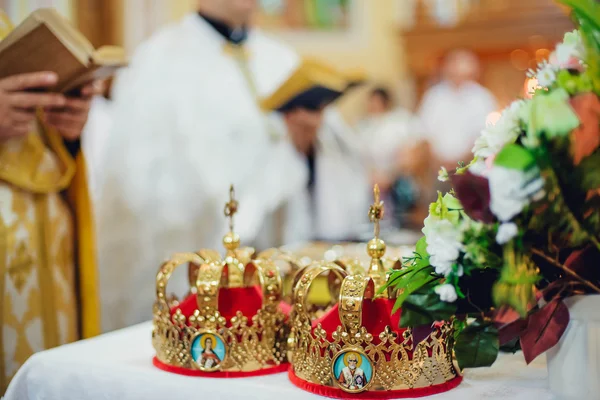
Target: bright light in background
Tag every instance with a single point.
(531, 84)
(492, 118)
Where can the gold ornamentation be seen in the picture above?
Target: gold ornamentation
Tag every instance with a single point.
(249, 343)
(20, 267)
(208, 360)
(395, 362)
(375, 249)
(396, 365)
(352, 378)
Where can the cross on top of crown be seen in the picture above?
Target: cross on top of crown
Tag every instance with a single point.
(231, 207)
(376, 211)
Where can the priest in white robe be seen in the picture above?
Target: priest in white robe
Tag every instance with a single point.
(187, 125)
(455, 110)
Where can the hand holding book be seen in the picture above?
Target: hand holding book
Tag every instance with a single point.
(46, 41)
(18, 107)
(70, 120)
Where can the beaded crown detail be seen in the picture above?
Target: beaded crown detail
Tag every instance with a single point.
(342, 353)
(196, 337)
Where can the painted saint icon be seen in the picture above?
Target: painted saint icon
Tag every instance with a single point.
(353, 371)
(208, 351)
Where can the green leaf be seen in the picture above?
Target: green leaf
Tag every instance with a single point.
(421, 247)
(586, 9)
(590, 167)
(587, 16)
(514, 156)
(425, 307)
(452, 202)
(516, 286)
(410, 283)
(477, 345)
(549, 114)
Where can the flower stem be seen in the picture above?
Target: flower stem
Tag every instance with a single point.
(567, 270)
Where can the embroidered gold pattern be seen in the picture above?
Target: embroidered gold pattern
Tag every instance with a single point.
(20, 267)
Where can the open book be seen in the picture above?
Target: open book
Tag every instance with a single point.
(312, 86)
(46, 41)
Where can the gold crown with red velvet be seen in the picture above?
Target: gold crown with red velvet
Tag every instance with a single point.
(356, 349)
(231, 324)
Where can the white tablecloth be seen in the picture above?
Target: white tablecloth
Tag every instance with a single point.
(118, 366)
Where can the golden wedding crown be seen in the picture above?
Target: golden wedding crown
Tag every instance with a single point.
(229, 325)
(356, 349)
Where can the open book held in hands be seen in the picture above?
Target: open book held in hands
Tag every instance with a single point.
(46, 41)
(311, 86)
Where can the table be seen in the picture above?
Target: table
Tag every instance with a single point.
(118, 366)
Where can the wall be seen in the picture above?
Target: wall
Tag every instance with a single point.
(18, 10)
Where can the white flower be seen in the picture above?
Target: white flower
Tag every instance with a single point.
(506, 130)
(443, 174)
(479, 168)
(571, 47)
(460, 271)
(546, 76)
(506, 232)
(446, 292)
(444, 243)
(511, 190)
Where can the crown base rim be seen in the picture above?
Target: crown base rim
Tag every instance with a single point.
(336, 393)
(275, 369)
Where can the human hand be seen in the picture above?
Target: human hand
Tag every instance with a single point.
(18, 107)
(71, 119)
(303, 126)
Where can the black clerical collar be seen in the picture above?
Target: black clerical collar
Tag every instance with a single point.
(235, 36)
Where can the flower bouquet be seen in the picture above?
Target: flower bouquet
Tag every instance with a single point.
(510, 250)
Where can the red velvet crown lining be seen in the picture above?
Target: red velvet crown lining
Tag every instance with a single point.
(248, 300)
(376, 315)
(336, 393)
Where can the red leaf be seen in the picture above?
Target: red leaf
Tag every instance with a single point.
(544, 329)
(473, 192)
(509, 323)
(585, 139)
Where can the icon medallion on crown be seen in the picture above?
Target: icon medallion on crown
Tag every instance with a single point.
(231, 324)
(357, 348)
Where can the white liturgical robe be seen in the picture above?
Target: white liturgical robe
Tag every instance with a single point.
(186, 126)
(454, 118)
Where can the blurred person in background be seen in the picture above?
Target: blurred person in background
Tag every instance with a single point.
(49, 295)
(187, 124)
(392, 144)
(341, 189)
(454, 111)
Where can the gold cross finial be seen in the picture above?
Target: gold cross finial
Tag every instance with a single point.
(231, 207)
(376, 210)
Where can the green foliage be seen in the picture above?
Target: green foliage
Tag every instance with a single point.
(411, 282)
(481, 249)
(477, 345)
(587, 16)
(556, 217)
(549, 114)
(590, 170)
(515, 288)
(424, 307)
(574, 83)
(513, 156)
(414, 274)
